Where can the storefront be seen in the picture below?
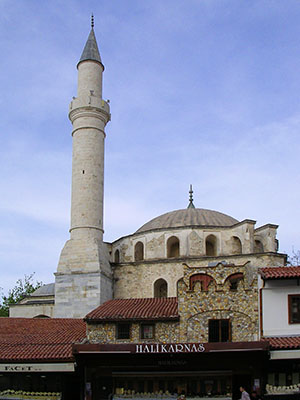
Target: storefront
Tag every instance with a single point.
(43, 381)
(36, 360)
(166, 371)
(283, 378)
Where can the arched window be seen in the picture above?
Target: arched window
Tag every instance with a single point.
(41, 316)
(160, 288)
(139, 251)
(236, 245)
(117, 256)
(234, 280)
(173, 247)
(204, 280)
(258, 246)
(211, 245)
(179, 287)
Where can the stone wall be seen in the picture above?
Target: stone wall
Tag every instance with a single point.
(193, 241)
(136, 280)
(197, 304)
(31, 310)
(165, 332)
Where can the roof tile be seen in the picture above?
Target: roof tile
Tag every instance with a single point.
(283, 342)
(280, 272)
(133, 309)
(23, 339)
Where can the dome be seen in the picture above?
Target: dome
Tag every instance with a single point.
(188, 217)
(45, 290)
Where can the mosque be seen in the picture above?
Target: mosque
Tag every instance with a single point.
(150, 262)
(182, 306)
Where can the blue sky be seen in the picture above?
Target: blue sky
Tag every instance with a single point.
(202, 91)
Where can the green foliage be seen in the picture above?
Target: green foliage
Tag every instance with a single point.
(23, 288)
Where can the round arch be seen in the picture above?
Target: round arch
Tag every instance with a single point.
(160, 288)
(211, 245)
(139, 251)
(173, 247)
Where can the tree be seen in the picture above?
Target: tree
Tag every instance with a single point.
(23, 288)
(294, 258)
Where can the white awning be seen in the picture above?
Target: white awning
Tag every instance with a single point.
(37, 367)
(284, 354)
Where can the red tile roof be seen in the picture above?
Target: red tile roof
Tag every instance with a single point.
(282, 342)
(136, 309)
(34, 339)
(280, 272)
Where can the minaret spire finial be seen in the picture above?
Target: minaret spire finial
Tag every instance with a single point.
(92, 21)
(191, 204)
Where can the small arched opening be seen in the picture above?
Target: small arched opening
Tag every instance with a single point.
(160, 288)
(173, 247)
(41, 316)
(139, 251)
(234, 280)
(236, 245)
(180, 287)
(204, 279)
(258, 246)
(117, 256)
(211, 245)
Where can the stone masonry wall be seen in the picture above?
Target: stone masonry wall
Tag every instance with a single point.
(165, 332)
(136, 280)
(197, 305)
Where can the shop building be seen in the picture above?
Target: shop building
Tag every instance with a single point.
(36, 358)
(203, 342)
(280, 323)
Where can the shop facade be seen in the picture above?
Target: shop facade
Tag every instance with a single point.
(280, 326)
(158, 371)
(36, 360)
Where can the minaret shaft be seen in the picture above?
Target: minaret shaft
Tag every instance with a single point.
(87, 183)
(89, 115)
(89, 78)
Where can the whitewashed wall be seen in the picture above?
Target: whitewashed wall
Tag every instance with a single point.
(275, 308)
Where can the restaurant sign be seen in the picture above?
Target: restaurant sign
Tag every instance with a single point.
(170, 348)
(47, 367)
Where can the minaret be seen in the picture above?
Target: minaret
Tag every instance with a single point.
(83, 280)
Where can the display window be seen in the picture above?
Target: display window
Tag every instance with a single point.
(173, 387)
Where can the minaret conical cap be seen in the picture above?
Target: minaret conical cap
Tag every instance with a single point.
(91, 51)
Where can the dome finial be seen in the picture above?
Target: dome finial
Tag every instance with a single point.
(91, 51)
(191, 204)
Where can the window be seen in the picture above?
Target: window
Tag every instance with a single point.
(219, 330)
(236, 245)
(173, 247)
(204, 280)
(211, 245)
(123, 331)
(160, 288)
(234, 280)
(117, 256)
(294, 308)
(147, 331)
(139, 251)
(258, 246)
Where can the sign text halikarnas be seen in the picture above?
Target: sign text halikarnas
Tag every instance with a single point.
(170, 348)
